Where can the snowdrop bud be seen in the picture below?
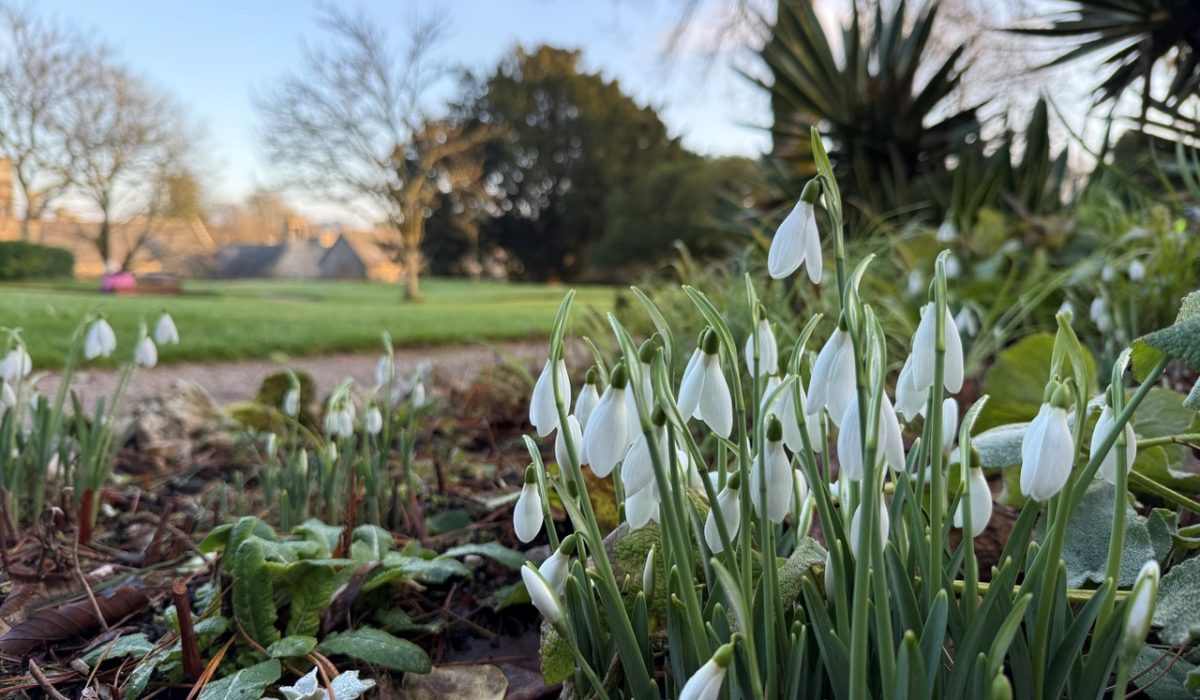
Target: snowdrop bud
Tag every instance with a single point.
(773, 467)
(832, 386)
(100, 340)
(589, 395)
(885, 525)
(543, 409)
(557, 566)
(731, 513)
(542, 595)
(16, 364)
(768, 351)
(374, 421)
(1108, 466)
(1139, 610)
(981, 503)
(705, 683)
(607, 438)
(560, 443)
(417, 397)
(947, 232)
(1137, 270)
(145, 354)
(1047, 450)
(830, 578)
(331, 451)
(949, 422)
(527, 515)
(648, 573)
(165, 332)
(291, 402)
(966, 322)
(797, 241)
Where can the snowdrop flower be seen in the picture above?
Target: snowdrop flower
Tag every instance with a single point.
(916, 283)
(339, 420)
(705, 393)
(291, 402)
(731, 513)
(384, 370)
(100, 340)
(637, 471)
(949, 422)
(924, 351)
(797, 241)
(331, 451)
(557, 566)
(16, 364)
(560, 443)
(645, 357)
(527, 515)
(1098, 312)
(705, 683)
(910, 400)
(774, 467)
(606, 438)
(832, 386)
(1137, 270)
(165, 332)
(980, 496)
(768, 352)
(1047, 450)
(1139, 611)
(543, 410)
(953, 267)
(542, 596)
(947, 232)
(641, 507)
(785, 409)
(374, 421)
(1108, 466)
(889, 445)
(1066, 307)
(145, 354)
(588, 397)
(885, 526)
(966, 322)
(417, 396)
(1108, 274)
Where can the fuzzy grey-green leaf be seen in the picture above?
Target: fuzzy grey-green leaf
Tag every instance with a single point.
(374, 646)
(1177, 612)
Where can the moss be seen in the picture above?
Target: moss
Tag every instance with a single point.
(558, 663)
(260, 417)
(808, 552)
(277, 384)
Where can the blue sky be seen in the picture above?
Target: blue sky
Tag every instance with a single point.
(211, 55)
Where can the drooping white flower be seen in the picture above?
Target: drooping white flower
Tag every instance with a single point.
(100, 340)
(1066, 307)
(642, 506)
(543, 410)
(1108, 466)
(981, 503)
(768, 351)
(557, 566)
(588, 397)
(1098, 312)
(384, 370)
(915, 284)
(706, 392)
(925, 351)
(910, 400)
(731, 513)
(947, 232)
(1137, 270)
(527, 515)
(637, 471)
(541, 595)
(1108, 273)
(797, 241)
(705, 683)
(773, 468)
(966, 322)
(889, 444)
(606, 438)
(165, 332)
(785, 409)
(145, 354)
(417, 396)
(560, 443)
(1047, 453)
(1139, 610)
(373, 423)
(291, 402)
(832, 385)
(949, 421)
(885, 525)
(339, 418)
(16, 364)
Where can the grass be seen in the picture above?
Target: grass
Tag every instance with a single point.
(231, 320)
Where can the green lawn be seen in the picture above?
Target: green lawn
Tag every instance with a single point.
(226, 320)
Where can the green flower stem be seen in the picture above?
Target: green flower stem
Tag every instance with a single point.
(1144, 484)
(1187, 439)
(1116, 540)
(937, 497)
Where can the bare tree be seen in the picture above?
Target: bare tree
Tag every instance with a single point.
(43, 74)
(128, 142)
(351, 126)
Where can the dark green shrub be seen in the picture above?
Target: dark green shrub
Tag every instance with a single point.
(21, 260)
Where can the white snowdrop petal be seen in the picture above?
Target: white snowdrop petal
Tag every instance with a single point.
(949, 422)
(980, 497)
(527, 515)
(856, 526)
(692, 386)
(952, 370)
(850, 444)
(543, 413)
(716, 404)
(731, 511)
(813, 259)
(561, 455)
(924, 348)
(606, 438)
(705, 683)
(541, 596)
(642, 507)
(555, 570)
(788, 245)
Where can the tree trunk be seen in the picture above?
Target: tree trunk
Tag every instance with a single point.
(102, 241)
(412, 272)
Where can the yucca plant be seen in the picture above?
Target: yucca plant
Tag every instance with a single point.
(887, 133)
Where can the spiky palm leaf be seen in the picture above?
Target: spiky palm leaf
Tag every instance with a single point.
(887, 132)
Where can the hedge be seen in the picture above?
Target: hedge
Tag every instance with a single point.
(21, 260)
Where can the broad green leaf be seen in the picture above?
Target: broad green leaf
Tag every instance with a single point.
(253, 593)
(1085, 548)
(126, 645)
(1177, 612)
(310, 589)
(397, 621)
(1181, 340)
(1161, 676)
(431, 571)
(447, 521)
(139, 678)
(374, 646)
(1193, 398)
(247, 684)
(292, 645)
(370, 543)
(492, 550)
(1017, 380)
(998, 447)
(317, 531)
(1163, 414)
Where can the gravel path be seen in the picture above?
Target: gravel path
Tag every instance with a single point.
(451, 366)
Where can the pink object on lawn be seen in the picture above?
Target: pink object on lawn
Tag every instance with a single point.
(118, 283)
